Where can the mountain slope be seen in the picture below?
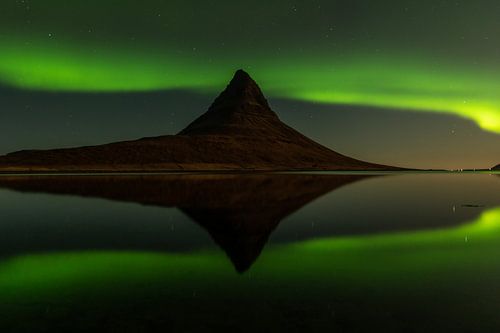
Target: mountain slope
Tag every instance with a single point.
(239, 131)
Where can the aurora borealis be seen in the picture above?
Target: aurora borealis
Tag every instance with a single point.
(379, 81)
(405, 269)
(47, 272)
(425, 59)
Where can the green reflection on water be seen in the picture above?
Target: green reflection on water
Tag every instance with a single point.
(443, 257)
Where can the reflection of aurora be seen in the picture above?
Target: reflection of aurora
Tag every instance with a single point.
(386, 260)
(394, 81)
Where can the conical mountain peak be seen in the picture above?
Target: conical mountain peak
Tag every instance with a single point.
(241, 90)
(241, 109)
(240, 76)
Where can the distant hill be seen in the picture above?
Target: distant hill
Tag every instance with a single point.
(496, 168)
(238, 132)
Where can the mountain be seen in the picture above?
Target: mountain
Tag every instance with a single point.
(496, 168)
(238, 132)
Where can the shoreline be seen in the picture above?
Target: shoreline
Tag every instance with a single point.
(236, 172)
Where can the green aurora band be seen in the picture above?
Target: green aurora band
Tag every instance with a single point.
(384, 261)
(390, 81)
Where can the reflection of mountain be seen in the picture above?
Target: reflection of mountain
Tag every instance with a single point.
(239, 211)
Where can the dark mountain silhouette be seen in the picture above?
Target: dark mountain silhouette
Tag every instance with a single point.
(496, 168)
(239, 131)
(238, 211)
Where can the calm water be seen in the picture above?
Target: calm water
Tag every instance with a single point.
(260, 253)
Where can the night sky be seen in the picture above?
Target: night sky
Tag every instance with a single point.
(410, 83)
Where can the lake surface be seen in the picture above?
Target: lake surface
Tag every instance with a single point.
(259, 253)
